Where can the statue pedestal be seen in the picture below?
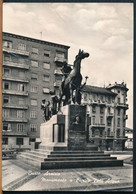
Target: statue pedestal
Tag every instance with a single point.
(66, 130)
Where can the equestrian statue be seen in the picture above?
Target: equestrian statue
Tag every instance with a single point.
(72, 81)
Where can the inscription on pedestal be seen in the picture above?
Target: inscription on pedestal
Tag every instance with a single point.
(77, 133)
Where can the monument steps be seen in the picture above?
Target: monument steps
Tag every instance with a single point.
(80, 164)
(30, 160)
(78, 155)
(34, 156)
(77, 152)
(80, 158)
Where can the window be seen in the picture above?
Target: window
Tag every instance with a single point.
(109, 122)
(21, 87)
(20, 114)
(5, 99)
(21, 60)
(34, 63)
(7, 44)
(118, 132)
(6, 72)
(5, 141)
(33, 102)
(101, 110)
(5, 113)
(21, 101)
(33, 127)
(101, 120)
(118, 111)
(108, 132)
(34, 89)
(34, 76)
(93, 120)
(46, 65)
(101, 133)
(109, 99)
(46, 78)
(20, 127)
(46, 90)
(85, 96)
(46, 53)
(93, 109)
(35, 50)
(6, 86)
(5, 126)
(109, 110)
(118, 123)
(22, 47)
(7, 57)
(118, 100)
(33, 114)
(19, 141)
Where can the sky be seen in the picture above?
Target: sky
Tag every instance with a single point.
(104, 30)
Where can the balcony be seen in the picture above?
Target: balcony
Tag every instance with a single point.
(58, 72)
(24, 107)
(14, 92)
(13, 133)
(57, 85)
(125, 117)
(16, 65)
(9, 78)
(110, 115)
(98, 125)
(94, 102)
(59, 61)
(16, 120)
(16, 51)
(122, 105)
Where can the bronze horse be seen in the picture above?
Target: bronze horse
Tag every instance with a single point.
(73, 80)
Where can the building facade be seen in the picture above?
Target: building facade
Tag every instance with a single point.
(106, 110)
(129, 135)
(31, 69)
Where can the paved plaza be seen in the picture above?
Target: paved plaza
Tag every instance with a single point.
(19, 177)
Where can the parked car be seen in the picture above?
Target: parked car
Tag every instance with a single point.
(8, 154)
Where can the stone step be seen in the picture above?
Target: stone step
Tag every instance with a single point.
(30, 160)
(77, 152)
(80, 164)
(33, 156)
(78, 155)
(59, 148)
(79, 158)
(39, 153)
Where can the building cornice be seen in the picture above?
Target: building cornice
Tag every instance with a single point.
(35, 40)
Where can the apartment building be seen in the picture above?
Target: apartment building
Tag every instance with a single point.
(129, 135)
(31, 69)
(106, 110)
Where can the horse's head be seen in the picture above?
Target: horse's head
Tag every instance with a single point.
(82, 54)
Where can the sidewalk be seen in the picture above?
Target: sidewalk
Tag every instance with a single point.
(27, 178)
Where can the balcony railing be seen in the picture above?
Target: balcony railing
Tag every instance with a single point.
(9, 78)
(60, 59)
(15, 106)
(12, 119)
(14, 92)
(58, 72)
(122, 105)
(17, 65)
(12, 133)
(109, 115)
(98, 125)
(57, 84)
(16, 51)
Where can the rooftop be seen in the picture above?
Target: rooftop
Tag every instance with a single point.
(35, 40)
(96, 89)
(117, 85)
